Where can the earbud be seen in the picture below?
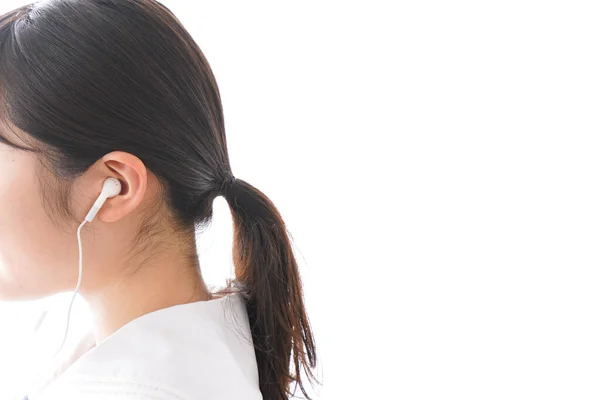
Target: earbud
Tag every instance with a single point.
(110, 188)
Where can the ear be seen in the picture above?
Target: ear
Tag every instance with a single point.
(133, 175)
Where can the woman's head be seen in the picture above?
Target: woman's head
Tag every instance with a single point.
(79, 80)
(97, 88)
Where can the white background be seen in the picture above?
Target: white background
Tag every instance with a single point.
(437, 164)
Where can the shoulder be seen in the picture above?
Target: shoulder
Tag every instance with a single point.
(185, 352)
(99, 388)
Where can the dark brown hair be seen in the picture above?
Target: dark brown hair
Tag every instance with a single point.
(87, 77)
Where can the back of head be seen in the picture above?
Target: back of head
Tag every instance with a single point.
(88, 77)
(82, 78)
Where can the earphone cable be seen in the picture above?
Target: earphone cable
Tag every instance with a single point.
(76, 287)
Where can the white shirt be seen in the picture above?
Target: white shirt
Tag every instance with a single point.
(195, 351)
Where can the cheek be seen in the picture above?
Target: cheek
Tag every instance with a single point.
(33, 250)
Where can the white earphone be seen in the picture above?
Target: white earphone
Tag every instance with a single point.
(110, 188)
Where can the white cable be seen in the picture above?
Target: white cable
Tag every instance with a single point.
(76, 287)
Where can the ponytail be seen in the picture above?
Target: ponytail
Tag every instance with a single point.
(267, 273)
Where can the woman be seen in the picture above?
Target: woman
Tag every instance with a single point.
(97, 89)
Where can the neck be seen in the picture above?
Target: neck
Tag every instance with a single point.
(164, 281)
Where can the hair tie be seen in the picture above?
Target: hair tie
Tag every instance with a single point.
(226, 184)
